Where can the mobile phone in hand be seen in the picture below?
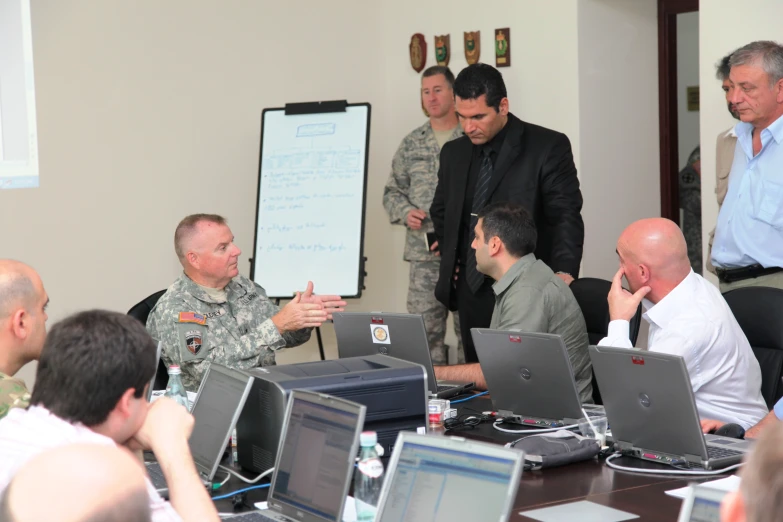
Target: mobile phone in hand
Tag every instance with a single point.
(431, 239)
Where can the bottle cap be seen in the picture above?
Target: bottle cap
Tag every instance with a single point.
(174, 370)
(368, 438)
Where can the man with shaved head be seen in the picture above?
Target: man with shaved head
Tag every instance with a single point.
(688, 317)
(211, 313)
(81, 483)
(23, 302)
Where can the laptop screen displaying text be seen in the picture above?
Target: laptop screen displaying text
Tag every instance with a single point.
(315, 457)
(430, 483)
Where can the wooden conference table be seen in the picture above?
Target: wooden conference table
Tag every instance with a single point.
(593, 480)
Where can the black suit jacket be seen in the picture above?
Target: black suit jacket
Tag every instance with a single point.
(535, 168)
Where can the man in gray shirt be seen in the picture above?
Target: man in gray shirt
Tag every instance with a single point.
(529, 297)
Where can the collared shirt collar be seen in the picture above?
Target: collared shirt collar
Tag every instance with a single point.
(513, 273)
(744, 130)
(668, 308)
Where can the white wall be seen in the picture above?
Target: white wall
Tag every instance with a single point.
(618, 123)
(150, 111)
(687, 76)
(13, 117)
(720, 32)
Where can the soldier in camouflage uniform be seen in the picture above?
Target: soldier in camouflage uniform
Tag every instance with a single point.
(690, 203)
(23, 302)
(410, 190)
(211, 313)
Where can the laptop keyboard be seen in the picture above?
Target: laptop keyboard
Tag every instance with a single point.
(252, 516)
(721, 453)
(156, 475)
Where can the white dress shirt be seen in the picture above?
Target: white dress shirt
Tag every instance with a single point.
(694, 322)
(26, 433)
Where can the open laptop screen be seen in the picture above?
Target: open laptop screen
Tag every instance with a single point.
(429, 483)
(215, 412)
(315, 458)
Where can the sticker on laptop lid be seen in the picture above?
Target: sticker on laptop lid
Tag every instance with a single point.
(380, 334)
(515, 338)
(637, 360)
(376, 320)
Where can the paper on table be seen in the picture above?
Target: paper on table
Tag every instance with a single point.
(349, 511)
(731, 483)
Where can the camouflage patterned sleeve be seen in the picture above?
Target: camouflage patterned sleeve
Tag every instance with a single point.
(13, 394)
(395, 193)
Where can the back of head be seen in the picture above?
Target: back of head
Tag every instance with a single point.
(512, 224)
(186, 229)
(762, 482)
(723, 68)
(88, 361)
(17, 287)
(657, 243)
(78, 483)
(481, 79)
(767, 54)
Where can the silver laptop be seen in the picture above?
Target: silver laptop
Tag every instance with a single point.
(217, 407)
(449, 478)
(529, 377)
(397, 335)
(701, 505)
(315, 460)
(157, 362)
(652, 413)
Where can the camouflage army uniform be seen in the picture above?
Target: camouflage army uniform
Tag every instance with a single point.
(411, 185)
(196, 329)
(13, 394)
(690, 203)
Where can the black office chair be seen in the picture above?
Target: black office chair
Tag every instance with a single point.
(141, 311)
(757, 310)
(591, 294)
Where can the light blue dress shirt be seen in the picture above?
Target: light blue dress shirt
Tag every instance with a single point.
(750, 223)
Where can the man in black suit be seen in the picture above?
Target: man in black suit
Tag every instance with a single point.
(500, 158)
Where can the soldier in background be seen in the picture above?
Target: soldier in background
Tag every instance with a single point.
(23, 302)
(408, 194)
(211, 313)
(690, 204)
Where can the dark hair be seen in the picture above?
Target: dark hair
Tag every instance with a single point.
(187, 226)
(512, 224)
(439, 69)
(88, 361)
(722, 68)
(481, 79)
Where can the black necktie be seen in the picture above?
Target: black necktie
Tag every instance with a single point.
(473, 276)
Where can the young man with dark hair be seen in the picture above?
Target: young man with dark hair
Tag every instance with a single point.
(407, 198)
(91, 388)
(500, 158)
(529, 297)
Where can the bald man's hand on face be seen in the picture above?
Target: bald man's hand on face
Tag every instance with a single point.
(622, 303)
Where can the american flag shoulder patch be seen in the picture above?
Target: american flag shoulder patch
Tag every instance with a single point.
(192, 317)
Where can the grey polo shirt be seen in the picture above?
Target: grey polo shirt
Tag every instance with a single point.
(531, 298)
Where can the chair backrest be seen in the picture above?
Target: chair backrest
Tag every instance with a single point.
(591, 294)
(757, 310)
(141, 311)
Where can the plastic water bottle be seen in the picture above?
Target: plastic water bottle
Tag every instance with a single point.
(174, 388)
(368, 478)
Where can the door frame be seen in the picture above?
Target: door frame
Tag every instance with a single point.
(667, 102)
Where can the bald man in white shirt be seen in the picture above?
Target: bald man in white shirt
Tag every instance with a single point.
(688, 317)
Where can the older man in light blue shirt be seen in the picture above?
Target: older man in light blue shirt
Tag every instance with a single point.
(748, 246)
